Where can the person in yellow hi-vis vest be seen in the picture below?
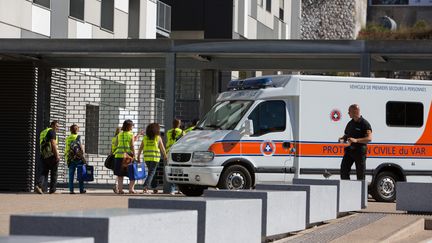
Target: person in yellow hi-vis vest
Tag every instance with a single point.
(173, 135)
(124, 153)
(152, 147)
(74, 157)
(50, 157)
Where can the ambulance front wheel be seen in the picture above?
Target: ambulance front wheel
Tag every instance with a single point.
(384, 187)
(191, 190)
(235, 177)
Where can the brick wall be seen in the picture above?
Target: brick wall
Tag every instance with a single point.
(118, 94)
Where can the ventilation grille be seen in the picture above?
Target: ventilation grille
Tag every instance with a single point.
(17, 125)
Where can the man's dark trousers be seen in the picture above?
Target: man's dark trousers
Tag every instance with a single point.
(357, 155)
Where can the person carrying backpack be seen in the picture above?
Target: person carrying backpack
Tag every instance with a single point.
(74, 157)
(50, 157)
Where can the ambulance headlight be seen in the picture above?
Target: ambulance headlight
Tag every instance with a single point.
(202, 156)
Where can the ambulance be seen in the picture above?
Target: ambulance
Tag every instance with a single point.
(276, 128)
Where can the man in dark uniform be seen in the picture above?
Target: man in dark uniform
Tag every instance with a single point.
(358, 133)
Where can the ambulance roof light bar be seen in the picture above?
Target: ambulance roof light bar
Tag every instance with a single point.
(250, 83)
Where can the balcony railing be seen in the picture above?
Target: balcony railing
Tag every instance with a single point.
(163, 23)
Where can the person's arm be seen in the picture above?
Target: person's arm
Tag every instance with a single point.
(162, 149)
(54, 149)
(364, 140)
(131, 145)
(140, 151)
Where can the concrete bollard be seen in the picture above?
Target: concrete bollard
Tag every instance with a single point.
(219, 220)
(349, 192)
(414, 197)
(321, 201)
(43, 239)
(282, 212)
(111, 225)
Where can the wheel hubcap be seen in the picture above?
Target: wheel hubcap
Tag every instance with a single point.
(387, 187)
(236, 181)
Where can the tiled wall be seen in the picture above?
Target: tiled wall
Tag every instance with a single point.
(119, 94)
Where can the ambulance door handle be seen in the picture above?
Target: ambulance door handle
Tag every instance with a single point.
(286, 145)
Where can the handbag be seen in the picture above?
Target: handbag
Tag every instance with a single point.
(109, 162)
(85, 173)
(137, 171)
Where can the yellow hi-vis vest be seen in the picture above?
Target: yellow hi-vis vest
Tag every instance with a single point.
(170, 140)
(43, 135)
(69, 139)
(113, 144)
(123, 146)
(151, 149)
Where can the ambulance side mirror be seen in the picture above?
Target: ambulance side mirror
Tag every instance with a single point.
(248, 128)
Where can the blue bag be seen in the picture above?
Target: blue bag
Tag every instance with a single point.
(85, 172)
(136, 171)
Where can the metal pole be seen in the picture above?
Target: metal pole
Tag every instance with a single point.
(365, 65)
(170, 84)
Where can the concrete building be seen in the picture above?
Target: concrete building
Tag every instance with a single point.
(97, 100)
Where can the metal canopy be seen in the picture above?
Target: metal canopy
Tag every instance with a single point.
(307, 55)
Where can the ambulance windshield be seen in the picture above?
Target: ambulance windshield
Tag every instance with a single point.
(224, 115)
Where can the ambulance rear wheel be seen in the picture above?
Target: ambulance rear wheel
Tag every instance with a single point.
(384, 187)
(235, 177)
(191, 190)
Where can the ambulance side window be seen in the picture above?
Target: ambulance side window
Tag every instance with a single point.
(269, 116)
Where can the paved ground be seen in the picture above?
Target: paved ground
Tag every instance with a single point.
(372, 224)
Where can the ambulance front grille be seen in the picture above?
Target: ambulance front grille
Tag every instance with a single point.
(178, 177)
(181, 157)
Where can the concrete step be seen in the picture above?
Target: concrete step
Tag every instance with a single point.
(43, 239)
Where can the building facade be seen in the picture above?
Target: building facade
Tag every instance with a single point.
(98, 100)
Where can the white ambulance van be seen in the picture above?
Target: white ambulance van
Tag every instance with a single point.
(276, 128)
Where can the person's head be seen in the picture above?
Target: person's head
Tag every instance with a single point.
(176, 123)
(153, 130)
(127, 125)
(55, 125)
(117, 131)
(354, 111)
(74, 129)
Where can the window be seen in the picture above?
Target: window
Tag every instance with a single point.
(107, 14)
(269, 116)
(224, 115)
(268, 5)
(45, 3)
(404, 114)
(92, 129)
(77, 9)
(281, 9)
(133, 26)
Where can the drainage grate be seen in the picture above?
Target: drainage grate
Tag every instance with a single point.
(338, 229)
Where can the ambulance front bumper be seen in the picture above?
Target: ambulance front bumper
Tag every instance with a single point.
(206, 176)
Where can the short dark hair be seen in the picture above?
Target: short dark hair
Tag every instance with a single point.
(153, 130)
(74, 129)
(53, 123)
(127, 125)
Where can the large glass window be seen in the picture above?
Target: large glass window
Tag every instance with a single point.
(107, 14)
(225, 115)
(77, 9)
(404, 114)
(45, 3)
(269, 116)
